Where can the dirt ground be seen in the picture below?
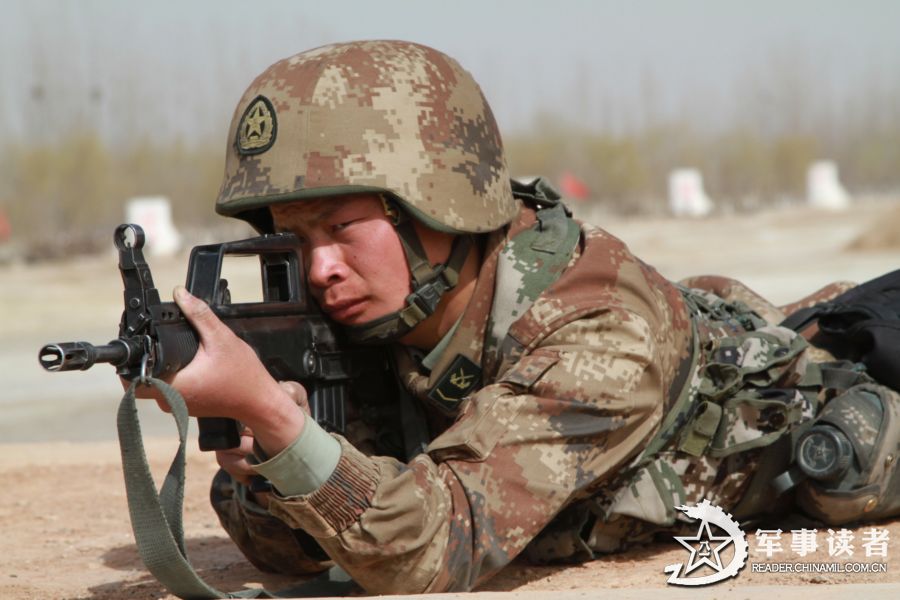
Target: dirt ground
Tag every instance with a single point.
(66, 534)
(63, 516)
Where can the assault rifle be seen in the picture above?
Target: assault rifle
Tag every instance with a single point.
(293, 339)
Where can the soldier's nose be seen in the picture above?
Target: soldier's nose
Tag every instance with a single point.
(327, 266)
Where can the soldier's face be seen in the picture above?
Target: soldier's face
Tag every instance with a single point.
(355, 264)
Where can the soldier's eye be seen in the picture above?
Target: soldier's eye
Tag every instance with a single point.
(344, 224)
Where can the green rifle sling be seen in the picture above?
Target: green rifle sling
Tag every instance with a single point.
(156, 517)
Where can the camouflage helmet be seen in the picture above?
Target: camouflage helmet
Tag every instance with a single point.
(387, 117)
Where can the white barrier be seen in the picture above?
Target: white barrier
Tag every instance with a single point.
(154, 215)
(687, 197)
(823, 187)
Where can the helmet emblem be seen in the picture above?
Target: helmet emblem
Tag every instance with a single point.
(257, 129)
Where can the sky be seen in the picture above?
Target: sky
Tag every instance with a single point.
(175, 69)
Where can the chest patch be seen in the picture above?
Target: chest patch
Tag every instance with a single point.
(460, 378)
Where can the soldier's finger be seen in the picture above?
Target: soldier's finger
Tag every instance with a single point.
(235, 464)
(246, 446)
(198, 313)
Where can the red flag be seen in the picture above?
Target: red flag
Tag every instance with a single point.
(573, 187)
(5, 227)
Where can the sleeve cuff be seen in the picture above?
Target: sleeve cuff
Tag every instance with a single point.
(337, 504)
(306, 464)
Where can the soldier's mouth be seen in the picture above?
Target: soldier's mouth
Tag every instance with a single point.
(345, 311)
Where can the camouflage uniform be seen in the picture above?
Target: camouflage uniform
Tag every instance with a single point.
(598, 395)
(596, 362)
(542, 457)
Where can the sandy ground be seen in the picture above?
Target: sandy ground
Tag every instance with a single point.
(63, 516)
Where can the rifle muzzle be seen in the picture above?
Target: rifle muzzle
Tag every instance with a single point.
(79, 356)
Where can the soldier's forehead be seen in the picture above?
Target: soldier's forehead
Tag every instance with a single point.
(305, 210)
(315, 210)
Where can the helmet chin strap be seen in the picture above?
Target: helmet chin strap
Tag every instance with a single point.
(428, 285)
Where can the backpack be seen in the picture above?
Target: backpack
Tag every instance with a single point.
(861, 325)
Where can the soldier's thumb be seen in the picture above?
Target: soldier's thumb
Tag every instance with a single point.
(198, 313)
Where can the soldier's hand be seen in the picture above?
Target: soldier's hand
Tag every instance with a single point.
(217, 380)
(226, 379)
(234, 460)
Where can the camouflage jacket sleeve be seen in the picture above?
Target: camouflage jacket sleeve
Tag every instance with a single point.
(550, 430)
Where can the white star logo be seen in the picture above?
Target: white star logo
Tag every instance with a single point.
(701, 548)
(706, 548)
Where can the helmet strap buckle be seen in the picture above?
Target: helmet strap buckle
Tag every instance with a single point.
(429, 294)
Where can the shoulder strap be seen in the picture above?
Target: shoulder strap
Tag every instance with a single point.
(537, 193)
(532, 260)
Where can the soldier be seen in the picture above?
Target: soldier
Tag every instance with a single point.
(558, 396)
